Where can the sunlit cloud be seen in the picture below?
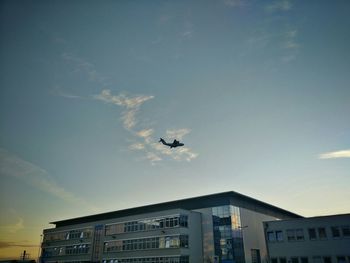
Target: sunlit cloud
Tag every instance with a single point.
(13, 228)
(177, 134)
(152, 157)
(145, 133)
(153, 150)
(7, 244)
(137, 146)
(130, 104)
(13, 166)
(279, 5)
(335, 155)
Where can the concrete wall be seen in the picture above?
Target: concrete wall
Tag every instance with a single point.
(253, 233)
(309, 248)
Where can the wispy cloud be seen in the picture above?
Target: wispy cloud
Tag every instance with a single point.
(153, 151)
(335, 155)
(178, 134)
(6, 244)
(86, 67)
(57, 91)
(14, 228)
(156, 151)
(291, 39)
(279, 5)
(13, 166)
(130, 104)
(235, 3)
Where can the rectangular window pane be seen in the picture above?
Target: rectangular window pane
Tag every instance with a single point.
(335, 231)
(346, 231)
(322, 233)
(341, 260)
(294, 260)
(304, 260)
(279, 235)
(299, 234)
(283, 260)
(270, 236)
(312, 233)
(290, 235)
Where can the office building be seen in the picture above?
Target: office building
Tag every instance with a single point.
(323, 239)
(225, 227)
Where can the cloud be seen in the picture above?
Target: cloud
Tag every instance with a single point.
(131, 105)
(6, 244)
(137, 146)
(57, 91)
(280, 5)
(81, 65)
(152, 157)
(153, 151)
(145, 133)
(13, 166)
(178, 134)
(335, 155)
(235, 3)
(14, 228)
(290, 39)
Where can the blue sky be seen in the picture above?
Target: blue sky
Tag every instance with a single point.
(257, 90)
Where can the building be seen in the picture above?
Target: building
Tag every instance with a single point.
(324, 239)
(225, 227)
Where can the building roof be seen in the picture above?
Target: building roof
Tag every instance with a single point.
(218, 199)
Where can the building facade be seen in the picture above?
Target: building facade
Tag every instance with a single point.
(324, 239)
(225, 227)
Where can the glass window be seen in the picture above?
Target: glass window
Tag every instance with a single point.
(274, 260)
(322, 233)
(341, 259)
(304, 260)
(291, 235)
(271, 236)
(294, 260)
(312, 233)
(279, 235)
(346, 231)
(299, 234)
(316, 260)
(335, 231)
(283, 260)
(327, 260)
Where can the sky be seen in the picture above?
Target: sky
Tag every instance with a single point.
(258, 91)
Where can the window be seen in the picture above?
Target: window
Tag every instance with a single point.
(304, 260)
(283, 260)
(316, 260)
(271, 236)
(291, 235)
(346, 231)
(299, 234)
(279, 235)
(322, 233)
(312, 233)
(294, 260)
(274, 260)
(341, 259)
(327, 260)
(335, 231)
